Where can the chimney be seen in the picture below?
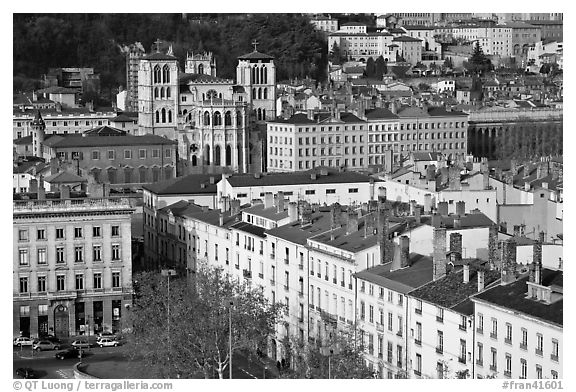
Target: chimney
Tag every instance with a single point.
(485, 180)
(352, 225)
(516, 231)
(280, 202)
(234, 207)
(386, 250)
(443, 208)
(480, 280)
(461, 208)
(212, 180)
(454, 178)
(41, 195)
(513, 167)
(382, 194)
(439, 254)
(313, 176)
(205, 209)
(33, 186)
(466, 269)
(493, 247)
(404, 251)
(417, 216)
(456, 245)
(508, 272)
(541, 237)
(293, 211)
(527, 186)
(436, 220)
(221, 219)
(323, 171)
(412, 207)
(268, 200)
(64, 192)
(536, 265)
(427, 204)
(369, 224)
(545, 185)
(305, 212)
(310, 114)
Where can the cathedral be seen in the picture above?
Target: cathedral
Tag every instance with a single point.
(217, 122)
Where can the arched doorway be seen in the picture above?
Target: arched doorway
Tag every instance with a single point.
(61, 322)
(194, 160)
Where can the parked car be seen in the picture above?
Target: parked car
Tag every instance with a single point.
(52, 339)
(106, 335)
(68, 353)
(26, 373)
(23, 341)
(81, 344)
(45, 345)
(107, 342)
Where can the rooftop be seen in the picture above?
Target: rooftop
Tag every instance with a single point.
(513, 297)
(295, 233)
(402, 280)
(405, 38)
(182, 208)
(379, 113)
(186, 78)
(101, 141)
(297, 178)
(450, 291)
(249, 228)
(159, 56)
(57, 90)
(188, 185)
(64, 177)
(268, 213)
(255, 55)
(104, 130)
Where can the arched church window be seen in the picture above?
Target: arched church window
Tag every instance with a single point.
(227, 118)
(238, 119)
(166, 74)
(259, 114)
(262, 79)
(217, 118)
(201, 69)
(212, 94)
(155, 92)
(157, 116)
(263, 114)
(161, 92)
(265, 93)
(265, 79)
(169, 116)
(157, 74)
(206, 118)
(167, 92)
(256, 75)
(163, 115)
(254, 93)
(259, 93)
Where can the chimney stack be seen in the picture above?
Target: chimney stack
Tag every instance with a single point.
(369, 225)
(485, 180)
(439, 254)
(527, 186)
(508, 262)
(436, 220)
(404, 251)
(516, 231)
(417, 215)
(352, 225)
(221, 219)
(493, 247)
(412, 207)
(461, 208)
(480, 280)
(536, 265)
(234, 207)
(443, 208)
(293, 211)
(382, 194)
(268, 200)
(466, 269)
(513, 167)
(542, 237)
(456, 245)
(454, 178)
(305, 212)
(280, 202)
(457, 222)
(427, 203)
(430, 173)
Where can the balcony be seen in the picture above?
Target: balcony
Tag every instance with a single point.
(417, 372)
(479, 362)
(493, 368)
(507, 373)
(379, 327)
(334, 280)
(59, 205)
(286, 261)
(462, 360)
(301, 267)
(462, 327)
(342, 284)
(440, 350)
(247, 274)
(59, 295)
(507, 340)
(326, 278)
(493, 335)
(350, 286)
(399, 333)
(343, 319)
(418, 342)
(399, 364)
(318, 274)
(328, 318)
(237, 266)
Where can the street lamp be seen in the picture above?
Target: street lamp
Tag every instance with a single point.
(168, 273)
(230, 337)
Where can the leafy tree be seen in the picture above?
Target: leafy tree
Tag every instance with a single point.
(448, 63)
(400, 70)
(381, 67)
(343, 354)
(370, 68)
(335, 54)
(478, 63)
(197, 339)
(434, 68)
(424, 87)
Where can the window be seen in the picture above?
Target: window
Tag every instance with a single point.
(508, 370)
(60, 254)
(142, 154)
(77, 232)
(59, 234)
(22, 235)
(42, 256)
(418, 370)
(524, 343)
(440, 314)
(418, 308)
(96, 253)
(480, 327)
(390, 321)
(418, 338)
(78, 254)
(462, 357)
(23, 256)
(493, 365)
(371, 314)
(96, 231)
(399, 355)
(79, 281)
(95, 155)
(330, 191)
(111, 154)
(310, 192)
(554, 355)
(97, 280)
(60, 282)
(440, 342)
(389, 352)
(41, 284)
(523, 368)
(115, 279)
(155, 153)
(352, 190)
(23, 284)
(41, 234)
(115, 252)
(539, 344)
(494, 332)
(127, 154)
(538, 371)
(480, 359)
(115, 231)
(508, 338)
(362, 310)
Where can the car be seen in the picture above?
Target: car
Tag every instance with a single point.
(106, 335)
(23, 341)
(68, 353)
(26, 373)
(81, 344)
(52, 339)
(107, 342)
(42, 345)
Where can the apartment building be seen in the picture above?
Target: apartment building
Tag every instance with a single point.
(360, 45)
(383, 138)
(519, 324)
(72, 265)
(325, 23)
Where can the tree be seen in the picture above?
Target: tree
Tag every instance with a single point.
(196, 340)
(381, 67)
(342, 353)
(423, 87)
(434, 68)
(335, 55)
(370, 71)
(478, 63)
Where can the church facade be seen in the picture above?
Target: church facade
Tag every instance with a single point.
(216, 121)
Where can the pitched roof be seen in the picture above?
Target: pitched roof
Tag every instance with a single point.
(126, 140)
(426, 156)
(354, 24)
(296, 178)
(268, 213)
(187, 78)
(437, 111)
(64, 177)
(124, 118)
(23, 140)
(513, 296)
(379, 113)
(57, 90)
(104, 130)
(295, 233)
(255, 55)
(159, 56)
(182, 208)
(405, 38)
(187, 185)
(249, 228)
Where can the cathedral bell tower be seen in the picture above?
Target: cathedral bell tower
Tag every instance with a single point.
(256, 72)
(37, 131)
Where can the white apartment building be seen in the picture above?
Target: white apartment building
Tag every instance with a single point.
(496, 40)
(361, 45)
(521, 338)
(325, 23)
(383, 138)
